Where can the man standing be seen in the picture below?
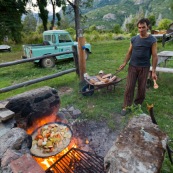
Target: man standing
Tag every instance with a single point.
(141, 48)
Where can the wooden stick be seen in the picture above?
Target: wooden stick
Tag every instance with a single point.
(156, 86)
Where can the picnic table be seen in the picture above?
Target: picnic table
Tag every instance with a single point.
(163, 57)
(164, 37)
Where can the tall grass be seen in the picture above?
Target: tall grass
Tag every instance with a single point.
(103, 104)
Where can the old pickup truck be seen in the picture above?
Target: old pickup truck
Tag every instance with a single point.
(54, 41)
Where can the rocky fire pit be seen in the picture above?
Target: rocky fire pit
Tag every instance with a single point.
(92, 136)
(88, 135)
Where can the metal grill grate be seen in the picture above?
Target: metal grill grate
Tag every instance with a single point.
(78, 161)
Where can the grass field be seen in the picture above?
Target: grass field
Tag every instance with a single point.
(106, 56)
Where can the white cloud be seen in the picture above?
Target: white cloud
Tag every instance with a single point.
(36, 9)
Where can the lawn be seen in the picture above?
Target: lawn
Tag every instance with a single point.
(103, 104)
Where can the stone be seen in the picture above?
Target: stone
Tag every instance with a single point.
(109, 17)
(9, 156)
(71, 109)
(32, 105)
(6, 126)
(61, 117)
(13, 139)
(6, 114)
(67, 115)
(26, 164)
(140, 147)
(75, 114)
(3, 104)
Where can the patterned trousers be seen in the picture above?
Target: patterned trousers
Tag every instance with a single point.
(135, 75)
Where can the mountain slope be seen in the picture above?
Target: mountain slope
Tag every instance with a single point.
(107, 13)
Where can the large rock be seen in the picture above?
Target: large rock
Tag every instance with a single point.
(139, 148)
(14, 139)
(33, 104)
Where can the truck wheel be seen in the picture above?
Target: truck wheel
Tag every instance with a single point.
(48, 62)
(86, 54)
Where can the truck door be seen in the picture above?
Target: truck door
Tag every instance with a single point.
(65, 45)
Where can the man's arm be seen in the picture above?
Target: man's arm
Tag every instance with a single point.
(127, 58)
(154, 60)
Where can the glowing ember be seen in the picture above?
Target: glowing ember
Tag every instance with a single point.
(41, 121)
(45, 163)
(87, 141)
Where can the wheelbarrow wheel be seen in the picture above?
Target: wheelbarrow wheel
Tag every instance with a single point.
(88, 90)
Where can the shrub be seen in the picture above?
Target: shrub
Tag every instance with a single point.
(164, 24)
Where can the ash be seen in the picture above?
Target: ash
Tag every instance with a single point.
(94, 136)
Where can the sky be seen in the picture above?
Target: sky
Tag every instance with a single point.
(49, 8)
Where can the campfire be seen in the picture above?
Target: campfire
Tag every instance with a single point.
(37, 113)
(45, 128)
(66, 158)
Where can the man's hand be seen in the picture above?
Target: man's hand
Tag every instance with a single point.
(122, 66)
(154, 75)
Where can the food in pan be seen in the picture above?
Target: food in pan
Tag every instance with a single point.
(50, 138)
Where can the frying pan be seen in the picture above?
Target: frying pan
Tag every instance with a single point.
(38, 152)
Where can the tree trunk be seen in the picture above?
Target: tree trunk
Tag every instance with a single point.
(53, 18)
(77, 17)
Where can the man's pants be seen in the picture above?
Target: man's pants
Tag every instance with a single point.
(135, 75)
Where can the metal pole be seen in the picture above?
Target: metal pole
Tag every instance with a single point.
(2, 90)
(32, 59)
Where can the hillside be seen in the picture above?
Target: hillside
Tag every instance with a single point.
(106, 13)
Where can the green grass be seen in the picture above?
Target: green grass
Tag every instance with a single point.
(103, 104)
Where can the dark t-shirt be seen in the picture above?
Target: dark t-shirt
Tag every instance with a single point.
(141, 50)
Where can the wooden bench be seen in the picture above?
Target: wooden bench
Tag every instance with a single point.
(163, 57)
(163, 69)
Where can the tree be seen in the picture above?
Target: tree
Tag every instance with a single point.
(130, 27)
(29, 23)
(164, 24)
(10, 18)
(171, 5)
(152, 20)
(43, 12)
(55, 3)
(117, 28)
(76, 5)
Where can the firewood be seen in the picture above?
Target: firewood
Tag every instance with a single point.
(106, 76)
(92, 81)
(113, 78)
(100, 79)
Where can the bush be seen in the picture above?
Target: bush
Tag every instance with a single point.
(71, 31)
(117, 29)
(33, 38)
(164, 24)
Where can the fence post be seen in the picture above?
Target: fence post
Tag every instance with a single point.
(76, 59)
(81, 50)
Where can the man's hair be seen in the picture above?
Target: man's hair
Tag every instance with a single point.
(144, 20)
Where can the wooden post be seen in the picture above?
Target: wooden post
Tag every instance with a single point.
(81, 52)
(76, 59)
